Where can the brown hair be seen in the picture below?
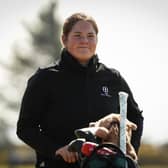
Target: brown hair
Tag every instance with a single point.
(74, 18)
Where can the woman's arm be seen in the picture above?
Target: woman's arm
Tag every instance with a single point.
(33, 107)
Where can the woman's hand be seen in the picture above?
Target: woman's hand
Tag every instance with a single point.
(69, 157)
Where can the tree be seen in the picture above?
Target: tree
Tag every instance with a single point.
(44, 47)
(4, 141)
(41, 48)
(44, 42)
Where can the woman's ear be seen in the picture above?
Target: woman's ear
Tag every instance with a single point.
(63, 40)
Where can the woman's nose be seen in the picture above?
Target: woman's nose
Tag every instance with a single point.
(84, 39)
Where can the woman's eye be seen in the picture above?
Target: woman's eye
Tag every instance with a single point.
(77, 35)
(91, 35)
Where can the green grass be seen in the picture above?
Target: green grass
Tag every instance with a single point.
(153, 166)
(21, 166)
(31, 166)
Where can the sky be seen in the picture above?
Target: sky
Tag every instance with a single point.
(133, 38)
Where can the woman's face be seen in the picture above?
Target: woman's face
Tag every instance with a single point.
(81, 41)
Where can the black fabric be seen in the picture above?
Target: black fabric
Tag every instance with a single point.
(57, 163)
(67, 96)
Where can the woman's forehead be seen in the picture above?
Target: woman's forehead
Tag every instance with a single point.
(83, 26)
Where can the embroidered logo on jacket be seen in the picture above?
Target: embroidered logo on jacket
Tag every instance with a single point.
(105, 91)
(42, 164)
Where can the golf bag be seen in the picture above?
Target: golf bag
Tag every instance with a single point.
(93, 154)
(107, 156)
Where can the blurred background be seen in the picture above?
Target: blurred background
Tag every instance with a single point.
(133, 38)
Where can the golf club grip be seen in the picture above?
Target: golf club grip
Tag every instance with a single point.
(123, 114)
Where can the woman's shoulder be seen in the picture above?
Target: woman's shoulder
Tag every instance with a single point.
(44, 73)
(108, 70)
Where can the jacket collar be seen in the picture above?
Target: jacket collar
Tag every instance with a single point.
(68, 62)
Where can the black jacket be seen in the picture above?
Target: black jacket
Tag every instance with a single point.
(67, 96)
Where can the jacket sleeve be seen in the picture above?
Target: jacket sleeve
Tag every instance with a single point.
(34, 105)
(134, 114)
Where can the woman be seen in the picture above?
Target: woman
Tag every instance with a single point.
(69, 95)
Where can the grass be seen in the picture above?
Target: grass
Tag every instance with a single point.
(21, 166)
(31, 166)
(153, 166)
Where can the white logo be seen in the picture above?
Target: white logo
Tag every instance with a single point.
(42, 164)
(105, 91)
